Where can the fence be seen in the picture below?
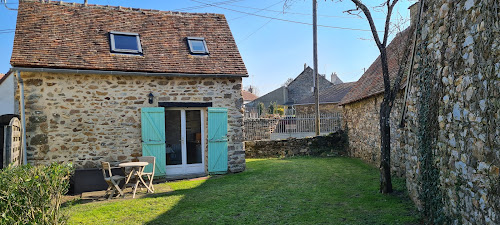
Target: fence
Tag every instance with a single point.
(297, 126)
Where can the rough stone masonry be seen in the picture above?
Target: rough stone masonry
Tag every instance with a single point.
(85, 119)
(458, 63)
(453, 112)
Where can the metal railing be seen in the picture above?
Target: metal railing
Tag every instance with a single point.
(283, 127)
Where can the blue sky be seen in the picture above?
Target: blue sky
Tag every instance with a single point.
(273, 50)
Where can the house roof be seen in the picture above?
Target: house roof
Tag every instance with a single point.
(4, 77)
(331, 95)
(73, 36)
(278, 95)
(372, 83)
(248, 96)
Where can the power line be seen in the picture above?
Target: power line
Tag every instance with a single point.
(285, 20)
(205, 5)
(258, 10)
(298, 13)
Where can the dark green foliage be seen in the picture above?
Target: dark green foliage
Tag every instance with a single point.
(32, 194)
(430, 195)
(261, 108)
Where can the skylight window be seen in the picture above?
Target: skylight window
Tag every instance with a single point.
(125, 42)
(197, 45)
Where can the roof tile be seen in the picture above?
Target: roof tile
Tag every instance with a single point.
(74, 36)
(372, 83)
(331, 95)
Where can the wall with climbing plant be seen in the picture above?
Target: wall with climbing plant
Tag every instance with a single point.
(451, 140)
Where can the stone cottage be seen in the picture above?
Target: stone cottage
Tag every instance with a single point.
(361, 108)
(328, 100)
(104, 83)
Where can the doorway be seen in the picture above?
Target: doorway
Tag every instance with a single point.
(184, 139)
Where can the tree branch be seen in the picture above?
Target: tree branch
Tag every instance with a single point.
(390, 7)
(368, 15)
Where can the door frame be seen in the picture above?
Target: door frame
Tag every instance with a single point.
(184, 168)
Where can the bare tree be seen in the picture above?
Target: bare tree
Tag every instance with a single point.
(390, 92)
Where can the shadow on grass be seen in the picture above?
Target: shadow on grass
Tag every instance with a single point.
(298, 190)
(307, 190)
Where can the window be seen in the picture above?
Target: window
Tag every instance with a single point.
(197, 45)
(125, 42)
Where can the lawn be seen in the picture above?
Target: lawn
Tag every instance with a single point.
(302, 190)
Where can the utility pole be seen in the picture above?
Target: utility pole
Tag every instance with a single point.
(315, 69)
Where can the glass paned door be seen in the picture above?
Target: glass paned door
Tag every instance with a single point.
(184, 141)
(193, 136)
(173, 137)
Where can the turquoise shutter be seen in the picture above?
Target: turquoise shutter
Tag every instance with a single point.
(153, 138)
(217, 140)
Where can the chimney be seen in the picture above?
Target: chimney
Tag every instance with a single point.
(305, 66)
(414, 12)
(335, 79)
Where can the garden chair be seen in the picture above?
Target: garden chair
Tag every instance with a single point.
(113, 181)
(150, 175)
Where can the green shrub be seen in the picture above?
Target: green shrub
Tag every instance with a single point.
(33, 194)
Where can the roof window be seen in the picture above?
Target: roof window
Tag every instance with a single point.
(197, 45)
(125, 42)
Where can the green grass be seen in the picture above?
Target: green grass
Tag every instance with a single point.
(271, 191)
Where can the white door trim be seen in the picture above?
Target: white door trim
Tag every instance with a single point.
(184, 168)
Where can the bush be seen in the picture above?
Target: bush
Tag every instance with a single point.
(33, 194)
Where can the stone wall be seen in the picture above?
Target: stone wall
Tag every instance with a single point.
(323, 108)
(85, 119)
(361, 120)
(334, 144)
(454, 110)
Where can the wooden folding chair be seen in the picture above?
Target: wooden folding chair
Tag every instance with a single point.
(113, 181)
(150, 175)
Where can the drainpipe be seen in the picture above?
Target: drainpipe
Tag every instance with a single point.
(23, 117)
(410, 73)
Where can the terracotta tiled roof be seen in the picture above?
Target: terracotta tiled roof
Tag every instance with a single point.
(248, 96)
(372, 83)
(74, 36)
(331, 95)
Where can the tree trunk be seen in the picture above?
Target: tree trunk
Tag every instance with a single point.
(385, 147)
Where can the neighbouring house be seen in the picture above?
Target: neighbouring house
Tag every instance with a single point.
(301, 87)
(7, 103)
(105, 83)
(335, 79)
(328, 100)
(248, 96)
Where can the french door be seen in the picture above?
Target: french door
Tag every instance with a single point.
(184, 139)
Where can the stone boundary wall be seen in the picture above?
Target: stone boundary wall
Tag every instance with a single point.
(332, 145)
(454, 101)
(453, 115)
